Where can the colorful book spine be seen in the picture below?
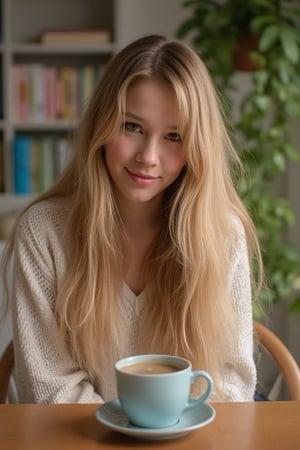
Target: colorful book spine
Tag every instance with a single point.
(21, 92)
(38, 92)
(61, 155)
(87, 83)
(46, 163)
(50, 92)
(22, 166)
(69, 76)
(44, 93)
(35, 164)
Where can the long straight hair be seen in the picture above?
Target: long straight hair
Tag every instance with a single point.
(189, 307)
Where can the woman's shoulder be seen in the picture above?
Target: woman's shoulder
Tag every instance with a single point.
(237, 239)
(238, 227)
(44, 215)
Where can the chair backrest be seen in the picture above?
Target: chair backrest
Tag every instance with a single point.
(282, 357)
(6, 368)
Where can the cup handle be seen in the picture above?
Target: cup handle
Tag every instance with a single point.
(192, 402)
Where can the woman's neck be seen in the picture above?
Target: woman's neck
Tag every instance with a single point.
(142, 224)
(140, 219)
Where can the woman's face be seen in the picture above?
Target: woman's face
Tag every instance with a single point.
(146, 156)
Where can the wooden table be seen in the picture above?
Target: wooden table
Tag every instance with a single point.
(237, 426)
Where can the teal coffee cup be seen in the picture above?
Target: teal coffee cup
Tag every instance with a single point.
(154, 390)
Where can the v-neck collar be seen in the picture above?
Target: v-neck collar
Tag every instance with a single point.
(129, 294)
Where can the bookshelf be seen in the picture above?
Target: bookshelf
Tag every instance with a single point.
(29, 102)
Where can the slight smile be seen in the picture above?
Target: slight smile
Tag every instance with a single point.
(141, 179)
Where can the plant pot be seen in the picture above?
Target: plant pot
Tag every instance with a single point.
(241, 55)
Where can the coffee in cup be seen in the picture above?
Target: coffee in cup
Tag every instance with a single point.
(150, 367)
(154, 390)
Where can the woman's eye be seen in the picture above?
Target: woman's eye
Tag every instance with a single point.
(174, 137)
(131, 126)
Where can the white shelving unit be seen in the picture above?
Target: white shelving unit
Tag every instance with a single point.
(21, 25)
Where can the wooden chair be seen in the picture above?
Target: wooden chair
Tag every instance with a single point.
(6, 368)
(266, 339)
(282, 358)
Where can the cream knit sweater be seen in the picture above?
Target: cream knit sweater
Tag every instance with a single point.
(45, 371)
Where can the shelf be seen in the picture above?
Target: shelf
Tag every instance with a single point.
(57, 125)
(39, 49)
(11, 202)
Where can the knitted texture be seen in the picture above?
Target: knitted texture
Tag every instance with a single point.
(45, 371)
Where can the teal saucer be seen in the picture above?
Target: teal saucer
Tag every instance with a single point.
(111, 415)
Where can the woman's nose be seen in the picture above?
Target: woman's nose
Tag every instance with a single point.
(148, 153)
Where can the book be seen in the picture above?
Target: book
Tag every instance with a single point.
(77, 36)
(42, 92)
(21, 91)
(38, 91)
(70, 82)
(87, 83)
(61, 155)
(35, 163)
(51, 74)
(21, 165)
(59, 97)
(46, 163)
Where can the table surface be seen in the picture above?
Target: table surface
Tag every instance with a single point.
(237, 426)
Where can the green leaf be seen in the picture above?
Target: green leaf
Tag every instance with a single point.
(279, 162)
(259, 22)
(292, 152)
(293, 108)
(280, 90)
(262, 102)
(295, 308)
(260, 78)
(283, 70)
(282, 209)
(268, 38)
(289, 45)
(259, 59)
(265, 4)
(186, 27)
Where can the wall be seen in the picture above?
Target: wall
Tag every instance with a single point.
(135, 18)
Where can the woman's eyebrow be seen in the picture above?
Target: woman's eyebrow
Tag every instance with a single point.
(134, 116)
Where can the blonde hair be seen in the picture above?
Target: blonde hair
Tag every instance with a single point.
(186, 272)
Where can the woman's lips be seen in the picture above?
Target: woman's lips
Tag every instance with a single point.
(141, 179)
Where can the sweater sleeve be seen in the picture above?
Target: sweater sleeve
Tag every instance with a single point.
(45, 371)
(240, 372)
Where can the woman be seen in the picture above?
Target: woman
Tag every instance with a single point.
(143, 245)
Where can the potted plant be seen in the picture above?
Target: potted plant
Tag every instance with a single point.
(266, 114)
